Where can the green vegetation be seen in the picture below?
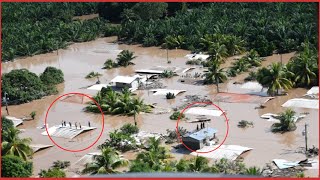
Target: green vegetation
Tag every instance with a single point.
(106, 163)
(244, 124)
(33, 114)
(215, 74)
(109, 64)
(23, 86)
(26, 33)
(152, 160)
(52, 76)
(301, 71)
(275, 77)
(52, 173)
(122, 140)
(170, 95)
(253, 171)
(176, 115)
(93, 74)
(13, 145)
(56, 170)
(6, 125)
(245, 24)
(167, 74)
(124, 59)
(13, 166)
(286, 122)
(123, 103)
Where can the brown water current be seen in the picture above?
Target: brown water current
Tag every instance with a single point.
(79, 59)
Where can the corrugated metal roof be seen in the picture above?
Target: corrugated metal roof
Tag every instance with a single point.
(203, 111)
(98, 87)
(203, 133)
(302, 103)
(66, 131)
(230, 152)
(165, 91)
(38, 147)
(16, 121)
(314, 90)
(124, 79)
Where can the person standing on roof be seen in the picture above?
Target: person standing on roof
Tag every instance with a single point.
(89, 124)
(75, 124)
(70, 124)
(80, 125)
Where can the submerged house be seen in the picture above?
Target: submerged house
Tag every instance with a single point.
(131, 82)
(197, 140)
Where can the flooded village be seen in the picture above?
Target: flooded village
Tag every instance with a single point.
(238, 126)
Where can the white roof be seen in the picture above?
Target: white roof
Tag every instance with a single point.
(150, 71)
(87, 158)
(203, 111)
(302, 103)
(124, 79)
(197, 56)
(165, 91)
(97, 87)
(283, 164)
(66, 131)
(313, 90)
(16, 121)
(251, 86)
(230, 152)
(271, 117)
(38, 147)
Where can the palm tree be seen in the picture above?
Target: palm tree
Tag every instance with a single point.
(174, 42)
(217, 52)
(304, 66)
(125, 58)
(253, 171)
(199, 164)
(13, 145)
(215, 75)
(106, 163)
(241, 65)
(274, 77)
(286, 122)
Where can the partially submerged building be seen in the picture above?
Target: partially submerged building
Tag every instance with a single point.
(131, 82)
(197, 140)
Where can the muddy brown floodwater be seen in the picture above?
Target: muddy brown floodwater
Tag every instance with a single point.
(79, 59)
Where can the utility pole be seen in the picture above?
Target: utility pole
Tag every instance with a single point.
(305, 134)
(5, 99)
(281, 58)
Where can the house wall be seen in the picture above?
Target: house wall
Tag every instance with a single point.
(123, 85)
(192, 143)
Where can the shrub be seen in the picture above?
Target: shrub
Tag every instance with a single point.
(109, 64)
(52, 76)
(23, 86)
(13, 166)
(170, 95)
(52, 172)
(93, 74)
(33, 114)
(176, 115)
(129, 129)
(167, 74)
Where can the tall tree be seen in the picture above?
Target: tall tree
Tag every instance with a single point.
(106, 163)
(275, 78)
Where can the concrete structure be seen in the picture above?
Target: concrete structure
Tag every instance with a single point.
(199, 139)
(197, 56)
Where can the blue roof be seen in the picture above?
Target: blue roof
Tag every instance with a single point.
(203, 133)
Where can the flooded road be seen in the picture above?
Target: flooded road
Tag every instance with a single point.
(79, 59)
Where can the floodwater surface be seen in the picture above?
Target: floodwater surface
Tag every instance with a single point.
(79, 59)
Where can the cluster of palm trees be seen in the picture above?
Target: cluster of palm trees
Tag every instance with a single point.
(15, 149)
(157, 159)
(124, 59)
(301, 71)
(25, 27)
(122, 103)
(246, 24)
(286, 122)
